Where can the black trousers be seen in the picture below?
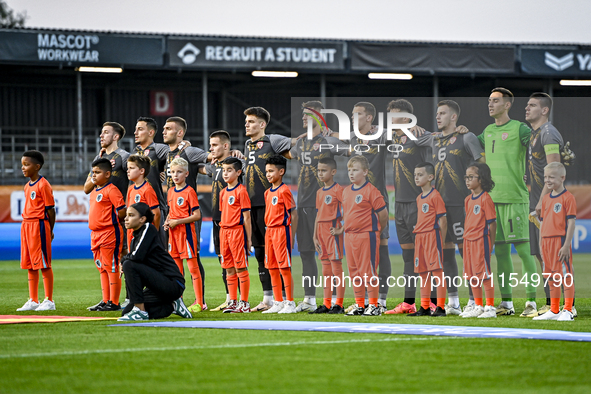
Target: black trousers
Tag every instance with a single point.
(149, 287)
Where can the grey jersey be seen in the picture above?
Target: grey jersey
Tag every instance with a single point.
(118, 159)
(547, 134)
(157, 154)
(452, 154)
(257, 152)
(404, 162)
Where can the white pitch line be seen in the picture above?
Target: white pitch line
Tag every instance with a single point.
(233, 346)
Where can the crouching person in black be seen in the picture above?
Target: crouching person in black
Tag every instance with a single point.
(152, 278)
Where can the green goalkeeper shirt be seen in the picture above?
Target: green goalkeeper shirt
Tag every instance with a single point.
(505, 147)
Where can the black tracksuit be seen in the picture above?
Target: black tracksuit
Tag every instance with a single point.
(151, 275)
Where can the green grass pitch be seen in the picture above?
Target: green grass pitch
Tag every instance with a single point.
(91, 357)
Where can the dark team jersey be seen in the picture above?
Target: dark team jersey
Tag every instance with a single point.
(451, 154)
(118, 159)
(376, 156)
(257, 152)
(404, 162)
(307, 153)
(536, 158)
(157, 154)
(194, 156)
(215, 171)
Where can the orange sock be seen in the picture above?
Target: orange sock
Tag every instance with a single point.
(490, 292)
(288, 282)
(114, 287)
(48, 282)
(34, 285)
(569, 295)
(568, 304)
(105, 287)
(554, 296)
(340, 301)
(425, 290)
(441, 289)
(179, 263)
(477, 292)
(232, 281)
(555, 305)
(327, 282)
(360, 302)
(196, 279)
(244, 279)
(337, 271)
(276, 284)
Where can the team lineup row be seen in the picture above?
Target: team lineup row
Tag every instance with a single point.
(451, 150)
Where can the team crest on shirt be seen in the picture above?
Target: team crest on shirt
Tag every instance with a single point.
(180, 201)
(231, 200)
(137, 198)
(452, 140)
(99, 198)
(33, 195)
(274, 200)
(425, 208)
(316, 146)
(476, 209)
(177, 157)
(534, 141)
(113, 163)
(504, 136)
(260, 144)
(557, 207)
(403, 139)
(327, 199)
(358, 199)
(146, 152)
(98, 263)
(416, 261)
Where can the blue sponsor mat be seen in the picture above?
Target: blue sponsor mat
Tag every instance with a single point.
(405, 329)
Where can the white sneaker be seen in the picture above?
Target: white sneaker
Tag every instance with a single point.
(288, 307)
(565, 315)
(277, 306)
(351, 307)
(574, 311)
(489, 312)
(305, 306)
(468, 308)
(125, 303)
(452, 310)
(548, 316)
(46, 305)
(474, 312)
(30, 305)
(530, 307)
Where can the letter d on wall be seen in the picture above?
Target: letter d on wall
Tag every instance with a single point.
(161, 103)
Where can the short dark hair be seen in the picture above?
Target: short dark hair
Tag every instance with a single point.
(507, 94)
(314, 104)
(182, 123)
(223, 135)
(150, 123)
(259, 112)
(36, 156)
(455, 107)
(117, 128)
(429, 168)
(402, 105)
(545, 99)
(103, 164)
(234, 162)
(368, 107)
(484, 175)
(143, 162)
(329, 161)
(277, 161)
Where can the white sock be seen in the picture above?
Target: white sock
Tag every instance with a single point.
(471, 302)
(310, 300)
(533, 303)
(507, 304)
(382, 302)
(366, 301)
(454, 301)
(334, 300)
(227, 298)
(267, 299)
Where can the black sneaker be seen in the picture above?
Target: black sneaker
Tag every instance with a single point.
(97, 306)
(336, 310)
(421, 312)
(109, 306)
(321, 309)
(439, 312)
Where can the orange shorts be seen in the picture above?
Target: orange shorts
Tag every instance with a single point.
(35, 244)
(233, 247)
(552, 264)
(477, 258)
(182, 241)
(428, 251)
(332, 245)
(363, 253)
(106, 247)
(278, 247)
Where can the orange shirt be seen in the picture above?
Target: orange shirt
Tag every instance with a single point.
(431, 208)
(38, 199)
(105, 202)
(232, 203)
(182, 203)
(360, 208)
(278, 206)
(556, 210)
(145, 193)
(480, 212)
(328, 203)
